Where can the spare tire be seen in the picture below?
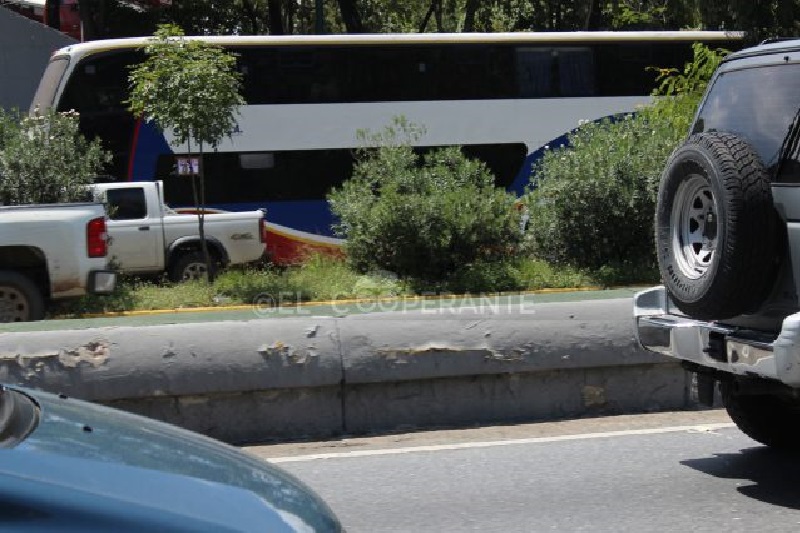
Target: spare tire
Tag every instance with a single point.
(716, 227)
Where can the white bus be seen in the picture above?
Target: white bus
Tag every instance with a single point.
(502, 97)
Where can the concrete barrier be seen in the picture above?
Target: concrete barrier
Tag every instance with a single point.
(300, 377)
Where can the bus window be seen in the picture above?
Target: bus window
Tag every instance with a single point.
(97, 89)
(534, 72)
(258, 177)
(636, 58)
(576, 72)
(99, 84)
(302, 174)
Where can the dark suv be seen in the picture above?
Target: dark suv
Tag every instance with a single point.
(727, 238)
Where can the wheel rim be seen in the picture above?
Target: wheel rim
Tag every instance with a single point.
(195, 271)
(693, 227)
(13, 305)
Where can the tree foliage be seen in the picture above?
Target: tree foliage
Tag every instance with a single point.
(113, 18)
(187, 86)
(193, 89)
(45, 159)
(593, 201)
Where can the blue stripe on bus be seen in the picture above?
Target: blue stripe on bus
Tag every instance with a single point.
(521, 181)
(312, 216)
(149, 146)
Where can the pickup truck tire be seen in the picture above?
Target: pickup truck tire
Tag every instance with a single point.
(20, 299)
(768, 419)
(190, 265)
(716, 227)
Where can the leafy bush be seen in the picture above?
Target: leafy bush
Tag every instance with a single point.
(44, 158)
(593, 201)
(422, 215)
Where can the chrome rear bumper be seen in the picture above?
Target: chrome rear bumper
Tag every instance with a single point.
(714, 345)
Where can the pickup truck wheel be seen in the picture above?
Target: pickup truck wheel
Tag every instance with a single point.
(716, 227)
(767, 419)
(20, 299)
(190, 266)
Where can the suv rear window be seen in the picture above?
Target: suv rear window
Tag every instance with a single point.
(758, 104)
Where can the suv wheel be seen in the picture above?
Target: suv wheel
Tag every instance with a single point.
(716, 227)
(767, 419)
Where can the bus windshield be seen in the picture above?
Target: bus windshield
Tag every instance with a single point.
(48, 86)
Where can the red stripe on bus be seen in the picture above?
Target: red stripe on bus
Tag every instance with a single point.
(132, 152)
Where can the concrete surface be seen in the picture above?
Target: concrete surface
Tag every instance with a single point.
(321, 376)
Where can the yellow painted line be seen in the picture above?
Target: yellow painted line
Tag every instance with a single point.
(147, 312)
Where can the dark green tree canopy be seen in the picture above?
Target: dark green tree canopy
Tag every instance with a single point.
(112, 18)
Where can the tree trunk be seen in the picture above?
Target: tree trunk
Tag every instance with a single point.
(275, 12)
(424, 25)
(470, 10)
(89, 11)
(250, 14)
(594, 18)
(350, 16)
(438, 15)
(201, 214)
(785, 17)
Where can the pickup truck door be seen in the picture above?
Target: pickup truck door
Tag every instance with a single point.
(135, 234)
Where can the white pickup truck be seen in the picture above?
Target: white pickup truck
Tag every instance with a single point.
(147, 237)
(50, 252)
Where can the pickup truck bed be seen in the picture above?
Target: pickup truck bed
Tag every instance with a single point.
(50, 252)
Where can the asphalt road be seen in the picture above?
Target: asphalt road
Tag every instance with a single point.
(666, 472)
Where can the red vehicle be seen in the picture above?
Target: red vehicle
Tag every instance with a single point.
(62, 15)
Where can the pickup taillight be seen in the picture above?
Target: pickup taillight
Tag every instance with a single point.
(96, 238)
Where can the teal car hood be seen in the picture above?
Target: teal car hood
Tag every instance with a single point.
(86, 465)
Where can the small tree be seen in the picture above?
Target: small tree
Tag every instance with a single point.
(192, 88)
(45, 159)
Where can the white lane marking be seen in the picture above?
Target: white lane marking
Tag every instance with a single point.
(704, 428)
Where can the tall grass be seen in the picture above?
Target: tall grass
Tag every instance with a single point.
(326, 278)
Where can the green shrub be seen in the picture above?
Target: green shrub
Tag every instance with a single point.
(45, 159)
(593, 201)
(422, 215)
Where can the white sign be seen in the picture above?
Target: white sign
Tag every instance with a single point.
(188, 166)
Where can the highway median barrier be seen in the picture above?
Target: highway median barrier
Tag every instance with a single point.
(320, 376)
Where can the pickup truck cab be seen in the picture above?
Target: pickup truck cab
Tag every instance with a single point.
(727, 236)
(148, 237)
(50, 252)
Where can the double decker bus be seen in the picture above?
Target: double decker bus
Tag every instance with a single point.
(501, 97)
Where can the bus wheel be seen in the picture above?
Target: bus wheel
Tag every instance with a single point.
(191, 266)
(20, 299)
(716, 227)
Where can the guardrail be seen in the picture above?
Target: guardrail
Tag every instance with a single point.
(303, 377)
